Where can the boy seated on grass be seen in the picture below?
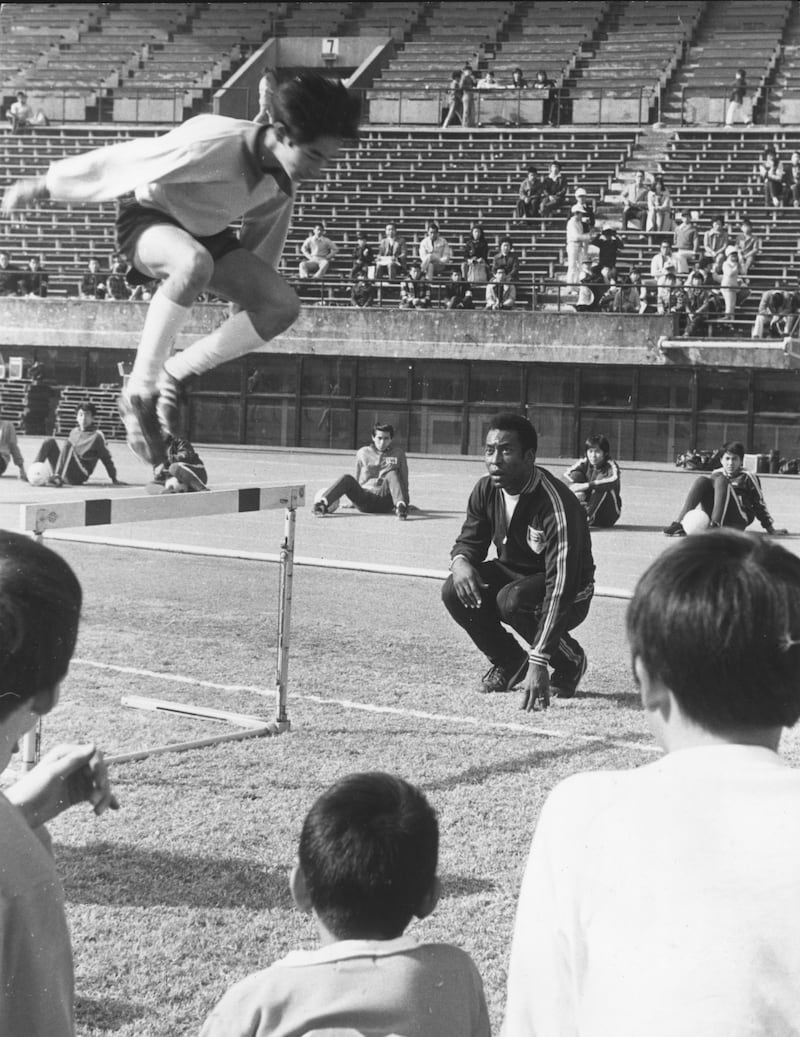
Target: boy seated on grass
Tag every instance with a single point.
(74, 461)
(40, 603)
(665, 900)
(367, 865)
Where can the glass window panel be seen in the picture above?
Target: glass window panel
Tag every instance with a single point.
(327, 376)
(618, 428)
(551, 385)
(439, 380)
(62, 366)
(776, 434)
(101, 368)
(369, 415)
(722, 390)
(225, 378)
(328, 427)
(661, 437)
(497, 384)
(215, 420)
(383, 379)
(435, 430)
(271, 374)
(271, 424)
(665, 389)
(606, 386)
(778, 393)
(713, 432)
(555, 427)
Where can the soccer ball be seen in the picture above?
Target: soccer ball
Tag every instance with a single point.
(173, 485)
(38, 473)
(695, 521)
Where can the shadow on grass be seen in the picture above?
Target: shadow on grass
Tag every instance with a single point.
(537, 760)
(631, 699)
(105, 1013)
(464, 885)
(114, 876)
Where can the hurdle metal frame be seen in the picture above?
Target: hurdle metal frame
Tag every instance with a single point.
(37, 519)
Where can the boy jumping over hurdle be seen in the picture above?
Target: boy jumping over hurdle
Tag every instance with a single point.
(178, 195)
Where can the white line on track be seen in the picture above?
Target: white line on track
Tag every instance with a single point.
(365, 707)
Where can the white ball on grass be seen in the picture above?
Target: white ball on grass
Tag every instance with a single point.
(695, 521)
(38, 473)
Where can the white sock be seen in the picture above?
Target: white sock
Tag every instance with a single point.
(234, 338)
(164, 320)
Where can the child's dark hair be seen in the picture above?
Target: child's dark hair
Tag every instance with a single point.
(508, 421)
(717, 619)
(368, 853)
(310, 106)
(88, 407)
(734, 447)
(601, 442)
(40, 605)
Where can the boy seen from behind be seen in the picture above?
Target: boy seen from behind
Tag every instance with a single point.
(665, 900)
(367, 865)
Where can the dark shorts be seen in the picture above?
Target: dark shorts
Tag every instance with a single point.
(133, 219)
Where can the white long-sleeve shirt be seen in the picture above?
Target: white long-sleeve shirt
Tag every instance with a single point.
(205, 173)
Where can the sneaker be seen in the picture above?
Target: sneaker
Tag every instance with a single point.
(674, 529)
(142, 428)
(503, 678)
(168, 406)
(320, 509)
(401, 511)
(564, 685)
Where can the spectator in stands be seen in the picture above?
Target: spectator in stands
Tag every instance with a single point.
(434, 252)
(586, 205)
(74, 461)
(593, 288)
(739, 104)
(20, 114)
(391, 258)
(267, 85)
(638, 290)
(362, 291)
(697, 303)
(9, 448)
(39, 404)
(518, 79)
(778, 315)
(546, 88)
(415, 290)
(474, 268)
(661, 261)
(668, 295)
(555, 188)
(9, 275)
(715, 241)
(363, 259)
(578, 239)
(466, 85)
(458, 294)
(791, 182)
(686, 241)
(500, 294)
(634, 200)
(489, 81)
(455, 108)
(747, 245)
(609, 245)
(730, 281)
(506, 260)
(116, 282)
(659, 206)
(318, 252)
(93, 284)
(531, 190)
(771, 174)
(34, 282)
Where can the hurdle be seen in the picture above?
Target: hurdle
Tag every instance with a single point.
(37, 519)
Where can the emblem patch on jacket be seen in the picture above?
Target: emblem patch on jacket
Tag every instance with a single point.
(536, 540)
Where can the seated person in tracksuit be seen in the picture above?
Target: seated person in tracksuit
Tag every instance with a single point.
(595, 482)
(74, 461)
(182, 472)
(380, 484)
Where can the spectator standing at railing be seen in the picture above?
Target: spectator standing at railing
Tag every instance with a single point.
(547, 88)
(267, 85)
(668, 296)
(455, 107)
(586, 205)
(390, 260)
(593, 287)
(34, 282)
(531, 191)
(415, 290)
(696, 302)
(363, 258)
(93, 283)
(318, 252)
(466, 85)
(577, 240)
(715, 241)
(500, 294)
(686, 241)
(9, 275)
(555, 190)
(659, 206)
(778, 315)
(739, 103)
(748, 246)
(609, 245)
(772, 177)
(116, 282)
(661, 261)
(634, 200)
(475, 265)
(730, 281)
(434, 252)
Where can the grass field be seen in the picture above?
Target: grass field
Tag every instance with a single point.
(184, 890)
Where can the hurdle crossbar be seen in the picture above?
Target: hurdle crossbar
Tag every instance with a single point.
(64, 514)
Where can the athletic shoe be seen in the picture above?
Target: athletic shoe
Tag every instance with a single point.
(142, 429)
(168, 407)
(401, 511)
(320, 509)
(674, 529)
(504, 677)
(564, 684)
